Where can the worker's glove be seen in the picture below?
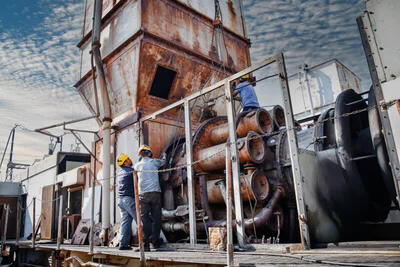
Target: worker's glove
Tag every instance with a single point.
(164, 155)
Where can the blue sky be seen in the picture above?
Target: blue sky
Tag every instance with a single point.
(39, 60)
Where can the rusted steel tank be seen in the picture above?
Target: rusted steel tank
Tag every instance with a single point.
(258, 121)
(251, 149)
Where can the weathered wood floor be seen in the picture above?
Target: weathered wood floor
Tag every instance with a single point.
(385, 253)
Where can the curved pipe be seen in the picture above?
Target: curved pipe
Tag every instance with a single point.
(260, 220)
(98, 9)
(204, 196)
(175, 227)
(265, 214)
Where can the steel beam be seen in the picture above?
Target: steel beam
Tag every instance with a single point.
(294, 153)
(65, 123)
(18, 220)
(139, 220)
(190, 174)
(60, 224)
(368, 40)
(235, 165)
(7, 207)
(33, 222)
(92, 213)
(228, 192)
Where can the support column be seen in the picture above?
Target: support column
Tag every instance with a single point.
(18, 220)
(60, 224)
(229, 254)
(190, 175)
(34, 222)
(294, 154)
(139, 219)
(235, 166)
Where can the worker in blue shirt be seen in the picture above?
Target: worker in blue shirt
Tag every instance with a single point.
(247, 94)
(126, 202)
(149, 195)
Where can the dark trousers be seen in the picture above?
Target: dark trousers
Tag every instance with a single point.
(246, 109)
(150, 211)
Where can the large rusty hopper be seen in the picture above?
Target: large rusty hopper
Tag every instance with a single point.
(157, 51)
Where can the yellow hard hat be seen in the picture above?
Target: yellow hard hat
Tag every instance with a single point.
(246, 76)
(121, 159)
(144, 147)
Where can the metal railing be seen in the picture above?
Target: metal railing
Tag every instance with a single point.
(233, 162)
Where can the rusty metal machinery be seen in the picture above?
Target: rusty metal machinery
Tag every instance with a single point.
(258, 192)
(350, 168)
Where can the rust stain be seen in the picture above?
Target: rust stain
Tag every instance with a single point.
(398, 106)
(231, 8)
(178, 39)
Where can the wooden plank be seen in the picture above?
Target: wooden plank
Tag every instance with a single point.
(47, 212)
(81, 233)
(241, 258)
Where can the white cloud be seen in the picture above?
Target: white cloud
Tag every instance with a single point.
(37, 73)
(311, 32)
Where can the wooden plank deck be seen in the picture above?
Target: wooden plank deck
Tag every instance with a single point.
(385, 253)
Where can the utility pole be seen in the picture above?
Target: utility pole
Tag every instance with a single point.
(11, 165)
(9, 171)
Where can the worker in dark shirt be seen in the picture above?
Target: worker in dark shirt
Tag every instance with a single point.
(126, 201)
(247, 94)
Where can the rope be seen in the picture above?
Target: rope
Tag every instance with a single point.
(47, 201)
(22, 208)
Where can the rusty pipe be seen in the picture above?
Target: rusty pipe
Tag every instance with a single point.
(96, 31)
(251, 149)
(265, 214)
(258, 121)
(204, 195)
(253, 186)
(277, 116)
(260, 220)
(168, 198)
(175, 227)
(222, 189)
(180, 211)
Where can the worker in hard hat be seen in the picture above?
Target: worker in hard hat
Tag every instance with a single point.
(126, 202)
(247, 94)
(149, 195)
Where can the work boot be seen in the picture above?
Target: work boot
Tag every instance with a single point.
(158, 244)
(146, 247)
(124, 248)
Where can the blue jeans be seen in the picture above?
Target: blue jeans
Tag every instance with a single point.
(127, 208)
